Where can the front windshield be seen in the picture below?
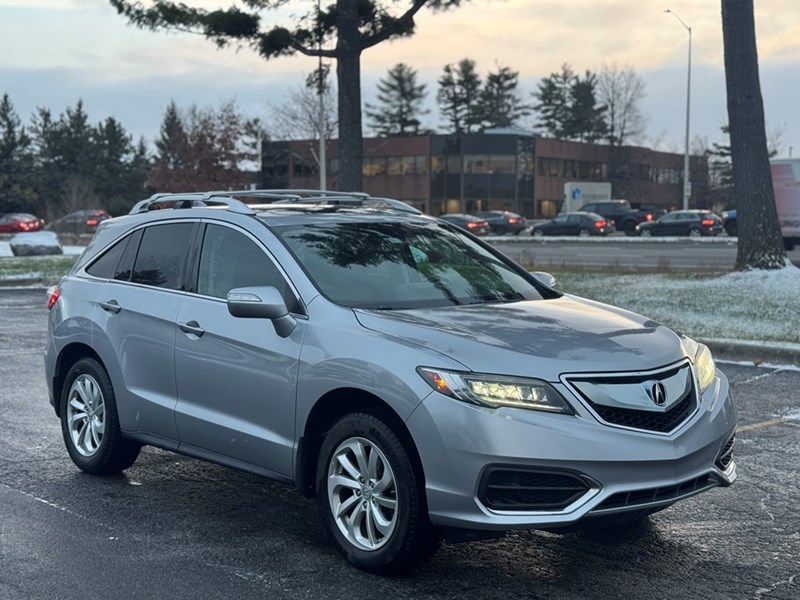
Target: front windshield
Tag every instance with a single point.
(384, 265)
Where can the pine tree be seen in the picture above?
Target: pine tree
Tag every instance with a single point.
(459, 96)
(401, 100)
(16, 190)
(553, 107)
(587, 117)
(501, 104)
(342, 31)
(568, 108)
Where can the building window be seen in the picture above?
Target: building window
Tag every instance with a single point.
(476, 163)
(303, 169)
(374, 166)
(502, 164)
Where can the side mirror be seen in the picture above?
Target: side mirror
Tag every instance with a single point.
(262, 303)
(544, 277)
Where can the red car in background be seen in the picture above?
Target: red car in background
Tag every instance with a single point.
(20, 223)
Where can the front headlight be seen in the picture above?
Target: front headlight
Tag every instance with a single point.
(705, 367)
(495, 391)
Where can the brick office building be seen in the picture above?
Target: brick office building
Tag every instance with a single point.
(493, 170)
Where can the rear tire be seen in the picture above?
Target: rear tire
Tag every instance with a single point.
(629, 227)
(583, 232)
(372, 497)
(695, 233)
(89, 421)
(731, 229)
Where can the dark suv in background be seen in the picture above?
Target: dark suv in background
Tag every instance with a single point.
(623, 215)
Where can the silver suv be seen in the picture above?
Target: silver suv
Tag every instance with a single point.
(416, 381)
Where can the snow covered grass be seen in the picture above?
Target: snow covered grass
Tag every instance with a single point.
(47, 269)
(744, 306)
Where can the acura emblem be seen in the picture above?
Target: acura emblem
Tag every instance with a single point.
(657, 393)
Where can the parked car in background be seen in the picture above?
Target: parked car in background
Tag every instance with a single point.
(502, 222)
(729, 222)
(81, 221)
(624, 217)
(471, 223)
(410, 376)
(578, 223)
(20, 223)
(694, 223)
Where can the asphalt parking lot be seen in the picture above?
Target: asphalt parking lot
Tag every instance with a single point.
(174, 527)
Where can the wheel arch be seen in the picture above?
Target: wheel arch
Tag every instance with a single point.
(68, 356)
(326, 411)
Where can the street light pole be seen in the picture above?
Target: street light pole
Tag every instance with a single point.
(687, 184)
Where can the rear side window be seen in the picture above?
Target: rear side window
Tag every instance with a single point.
(105, 267)
(162, 255)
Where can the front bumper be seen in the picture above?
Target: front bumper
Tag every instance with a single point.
(460, 445)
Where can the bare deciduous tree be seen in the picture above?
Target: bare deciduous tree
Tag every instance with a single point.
(621, 90)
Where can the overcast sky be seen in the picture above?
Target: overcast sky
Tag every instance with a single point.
(54, 52)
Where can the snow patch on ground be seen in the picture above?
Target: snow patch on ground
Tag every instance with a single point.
(5, 249)
(740, 306)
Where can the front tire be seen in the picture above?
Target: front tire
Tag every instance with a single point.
(372, 497)
(537, 233)
(646, 233)
(89, 421)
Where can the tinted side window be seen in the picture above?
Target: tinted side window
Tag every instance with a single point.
(106, 266)
(162, 255)
(125, 266)
(229, 259)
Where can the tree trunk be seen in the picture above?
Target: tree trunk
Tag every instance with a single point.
(348, 75)
(760, 242)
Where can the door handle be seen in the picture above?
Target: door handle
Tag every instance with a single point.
(192, 327)
(111, 306)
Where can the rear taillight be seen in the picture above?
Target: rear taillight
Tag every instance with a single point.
(91, 221)
(472, 225)
(599, 223)
(648, 217)
(55, 294)
(707, 222)
(513, 220)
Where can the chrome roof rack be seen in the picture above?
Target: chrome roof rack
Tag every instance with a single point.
(298, 198)
(190, 200)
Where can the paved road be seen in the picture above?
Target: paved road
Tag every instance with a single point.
(625, 252)
(173, 527)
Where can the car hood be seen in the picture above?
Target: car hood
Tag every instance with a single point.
(541, 338)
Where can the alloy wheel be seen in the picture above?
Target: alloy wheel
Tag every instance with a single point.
(86, 415)
(362, 493)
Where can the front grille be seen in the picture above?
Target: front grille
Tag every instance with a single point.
(637, 498)
(642, 419)
(726, 454)
(524, 490)
(626, 399)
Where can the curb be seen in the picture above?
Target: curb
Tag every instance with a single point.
(754, 352)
